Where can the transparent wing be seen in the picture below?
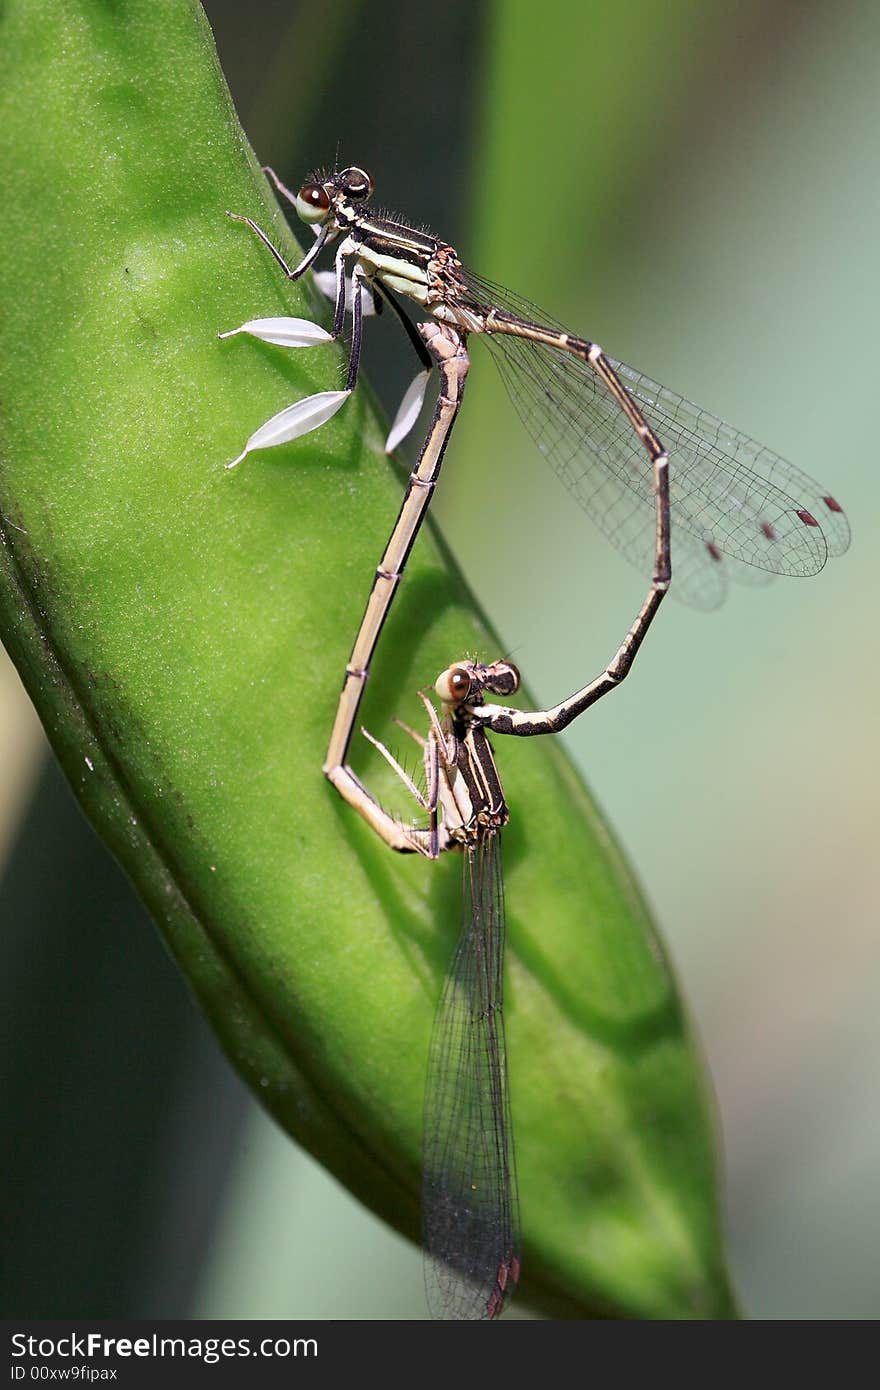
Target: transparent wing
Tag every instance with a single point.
(737, 508)
(469, 1195)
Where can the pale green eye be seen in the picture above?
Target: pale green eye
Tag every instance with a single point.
(312, 202)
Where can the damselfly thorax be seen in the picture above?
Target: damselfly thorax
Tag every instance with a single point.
(405, 262)
(470, 791)
(470, 794)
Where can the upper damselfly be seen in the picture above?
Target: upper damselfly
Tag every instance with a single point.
(738, 510)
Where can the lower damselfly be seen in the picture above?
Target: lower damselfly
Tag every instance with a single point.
(470, 1208)
(470, 1215)
(739, 511)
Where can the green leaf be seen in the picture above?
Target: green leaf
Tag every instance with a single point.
(183, 632)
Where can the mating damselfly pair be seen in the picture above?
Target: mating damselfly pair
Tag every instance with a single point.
(646, 466)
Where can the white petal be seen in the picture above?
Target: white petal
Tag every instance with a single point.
(408, 411)
(293, 421)
(284, 332)
(326, 282)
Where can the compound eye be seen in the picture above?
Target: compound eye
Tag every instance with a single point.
(356, 183)
(312, 202)
(454, 685)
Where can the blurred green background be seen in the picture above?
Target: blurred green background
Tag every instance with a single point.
(696, 187)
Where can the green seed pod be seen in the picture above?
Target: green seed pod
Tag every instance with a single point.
(182, 630)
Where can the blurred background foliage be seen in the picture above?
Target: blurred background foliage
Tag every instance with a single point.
(695, 186)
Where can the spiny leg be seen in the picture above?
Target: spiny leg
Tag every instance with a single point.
(423, 800)
(408, 838)
(279, 186)
(436, 729)
(311, 255)
(357, 319)
(416, 737)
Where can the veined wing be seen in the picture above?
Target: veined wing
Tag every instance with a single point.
(737, 508)
(469, 1196)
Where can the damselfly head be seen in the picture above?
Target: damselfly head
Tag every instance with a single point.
(316, 199)
(468, 680)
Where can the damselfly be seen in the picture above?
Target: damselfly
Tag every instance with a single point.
(739, 510)
(469, 1194)
(469, 1171)
(470, 1221)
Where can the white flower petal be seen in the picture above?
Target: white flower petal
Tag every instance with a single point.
(283, 332)
(408, 411)
(368, 303)
(294, 421)
(326, 282)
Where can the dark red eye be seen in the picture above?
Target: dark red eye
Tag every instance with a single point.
(315, 195)
(459, 684)
(454, 685)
